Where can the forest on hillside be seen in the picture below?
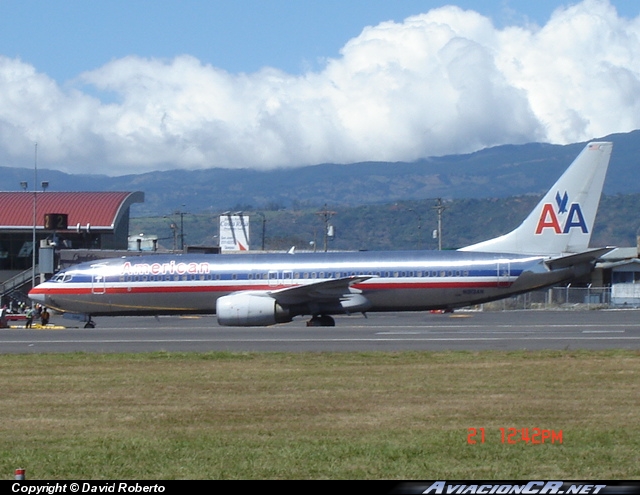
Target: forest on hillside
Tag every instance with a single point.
(391, 226)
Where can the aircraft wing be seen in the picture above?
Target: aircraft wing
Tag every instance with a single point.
(322, 291)
(577, 259)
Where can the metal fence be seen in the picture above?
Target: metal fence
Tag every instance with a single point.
(556, 298)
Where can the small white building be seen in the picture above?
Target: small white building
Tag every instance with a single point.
(625, 283)
(620, 269)
(142, 242)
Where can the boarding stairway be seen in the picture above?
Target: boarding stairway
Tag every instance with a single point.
(13, 288)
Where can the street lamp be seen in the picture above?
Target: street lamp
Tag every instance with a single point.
(25, 185)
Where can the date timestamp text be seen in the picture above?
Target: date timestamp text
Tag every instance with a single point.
(513, 436)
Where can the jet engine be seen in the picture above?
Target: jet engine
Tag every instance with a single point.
(247, 310)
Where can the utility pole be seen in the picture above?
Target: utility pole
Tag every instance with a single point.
(182, 213)
(326, 215)
(439, 207)
(264, 225)
(419, 227)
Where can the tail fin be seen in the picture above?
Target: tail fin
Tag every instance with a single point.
(563, 220)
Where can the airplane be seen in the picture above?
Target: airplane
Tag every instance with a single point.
(550, 247)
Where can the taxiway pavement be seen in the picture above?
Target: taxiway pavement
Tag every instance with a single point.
(470, 331)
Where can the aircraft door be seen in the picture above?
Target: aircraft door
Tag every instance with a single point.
(503, 271)
(98, 283)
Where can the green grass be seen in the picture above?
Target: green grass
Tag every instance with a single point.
(319, 415)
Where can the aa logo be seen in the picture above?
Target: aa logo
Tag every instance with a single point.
(550, 219)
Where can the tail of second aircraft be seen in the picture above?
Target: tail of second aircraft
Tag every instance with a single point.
(563, 220)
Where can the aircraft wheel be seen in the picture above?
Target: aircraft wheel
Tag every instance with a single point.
(321, 321)
(328, 321)
(90, 324)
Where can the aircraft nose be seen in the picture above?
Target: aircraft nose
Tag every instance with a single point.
(36, 296)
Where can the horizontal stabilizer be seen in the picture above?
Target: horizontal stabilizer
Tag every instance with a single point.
(577, 259)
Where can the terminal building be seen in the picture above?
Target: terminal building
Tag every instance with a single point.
(35, 225)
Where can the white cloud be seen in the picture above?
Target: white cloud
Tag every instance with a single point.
(443, 82)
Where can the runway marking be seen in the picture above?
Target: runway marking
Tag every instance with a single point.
(505, 332)
(603, 331)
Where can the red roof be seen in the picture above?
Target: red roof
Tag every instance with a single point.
(101, 210)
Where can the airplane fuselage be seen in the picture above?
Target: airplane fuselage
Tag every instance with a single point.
(399, 281)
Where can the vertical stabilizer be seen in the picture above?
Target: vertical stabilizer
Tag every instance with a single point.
(563, 220)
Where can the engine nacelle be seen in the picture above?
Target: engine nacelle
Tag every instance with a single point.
(248, 310)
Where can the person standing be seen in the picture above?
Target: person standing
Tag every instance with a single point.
(44, 317)
(29, 314)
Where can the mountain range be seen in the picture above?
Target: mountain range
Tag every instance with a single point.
(496, 172)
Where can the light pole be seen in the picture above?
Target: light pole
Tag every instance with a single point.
(25, 186)
(35, 199)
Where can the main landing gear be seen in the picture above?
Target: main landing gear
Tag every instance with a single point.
(321, 321)
(90, 323)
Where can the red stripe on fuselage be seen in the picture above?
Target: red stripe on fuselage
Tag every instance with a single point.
(150, 289)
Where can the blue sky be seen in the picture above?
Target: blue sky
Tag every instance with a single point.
(64, 38)
(131, 86)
